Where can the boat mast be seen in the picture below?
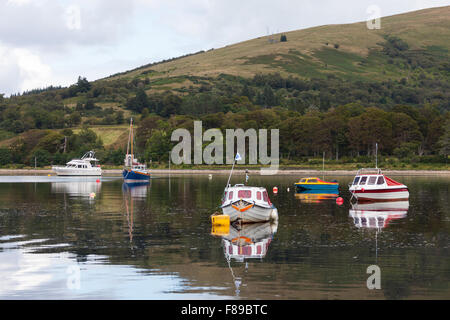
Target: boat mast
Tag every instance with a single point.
(131, 132)
(129, 137)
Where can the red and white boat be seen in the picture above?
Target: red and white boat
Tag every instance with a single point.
(373, 185)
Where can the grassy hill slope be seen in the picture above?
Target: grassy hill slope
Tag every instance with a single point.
(311, 52)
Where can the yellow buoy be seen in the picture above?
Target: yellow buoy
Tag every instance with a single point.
(220, 219)
(220, 230)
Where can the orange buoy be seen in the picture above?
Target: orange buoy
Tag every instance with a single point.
(339, 201)
(275, 190)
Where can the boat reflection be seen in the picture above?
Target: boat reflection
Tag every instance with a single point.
(242, 242)
(247, 241)
(377, 214)
(136, 190)
(77, 188)
(315, 196)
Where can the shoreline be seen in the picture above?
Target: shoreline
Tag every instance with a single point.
(240, 172)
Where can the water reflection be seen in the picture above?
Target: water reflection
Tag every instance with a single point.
(377, 214)
(156, 243)
(248, 241)
(314, 196)
(242, 242)
(132, 192)
(136, 190)
(77, 188)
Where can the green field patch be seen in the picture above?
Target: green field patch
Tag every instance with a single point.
(108, 134)
(297, 63)
(340, 60)
(165, 81)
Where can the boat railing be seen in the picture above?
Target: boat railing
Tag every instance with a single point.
(369, 171)
(89, 156)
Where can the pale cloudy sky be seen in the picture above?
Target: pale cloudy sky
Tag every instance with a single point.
(52, 42)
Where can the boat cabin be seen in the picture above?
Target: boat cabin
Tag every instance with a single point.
(309, 180)
(246, 193)
(138, 166)
(373, 178)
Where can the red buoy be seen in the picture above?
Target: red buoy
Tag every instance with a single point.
(98, 180)
(339, 201)
(275, 190)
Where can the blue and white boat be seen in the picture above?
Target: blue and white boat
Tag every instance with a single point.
(134, 172)
(314, 183)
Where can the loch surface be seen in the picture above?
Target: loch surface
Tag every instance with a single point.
(76, 238)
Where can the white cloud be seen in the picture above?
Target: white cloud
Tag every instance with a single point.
(18, 2)
(22, 70)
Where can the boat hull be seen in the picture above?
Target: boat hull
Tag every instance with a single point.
(63, 171)
(134, 176)
(318, 187)
(381, 194)
(254, 214)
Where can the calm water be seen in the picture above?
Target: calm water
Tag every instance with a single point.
(72, 238)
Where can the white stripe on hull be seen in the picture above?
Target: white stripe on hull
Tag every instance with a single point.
(62, 172)
(382, 195)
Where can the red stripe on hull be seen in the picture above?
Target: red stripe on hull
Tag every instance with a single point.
(380, 190)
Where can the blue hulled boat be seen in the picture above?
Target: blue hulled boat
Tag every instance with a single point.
(314, 183)
(134, 172)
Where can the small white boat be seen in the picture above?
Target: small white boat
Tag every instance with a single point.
(86, 166)
(248, 204)
(373, 185)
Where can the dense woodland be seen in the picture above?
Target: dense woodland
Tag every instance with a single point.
(408, 118)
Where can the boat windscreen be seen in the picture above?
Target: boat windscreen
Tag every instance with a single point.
(244, 194)
(372, 180)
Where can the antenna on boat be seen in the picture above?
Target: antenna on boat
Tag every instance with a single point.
(323, 166)
(376, 155)
(236, 158)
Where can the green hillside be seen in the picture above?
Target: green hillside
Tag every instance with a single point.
(337, 89)
(311, 52)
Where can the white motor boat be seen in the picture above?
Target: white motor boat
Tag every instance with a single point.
(86, 166)
(248, 204)
(373, 185)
